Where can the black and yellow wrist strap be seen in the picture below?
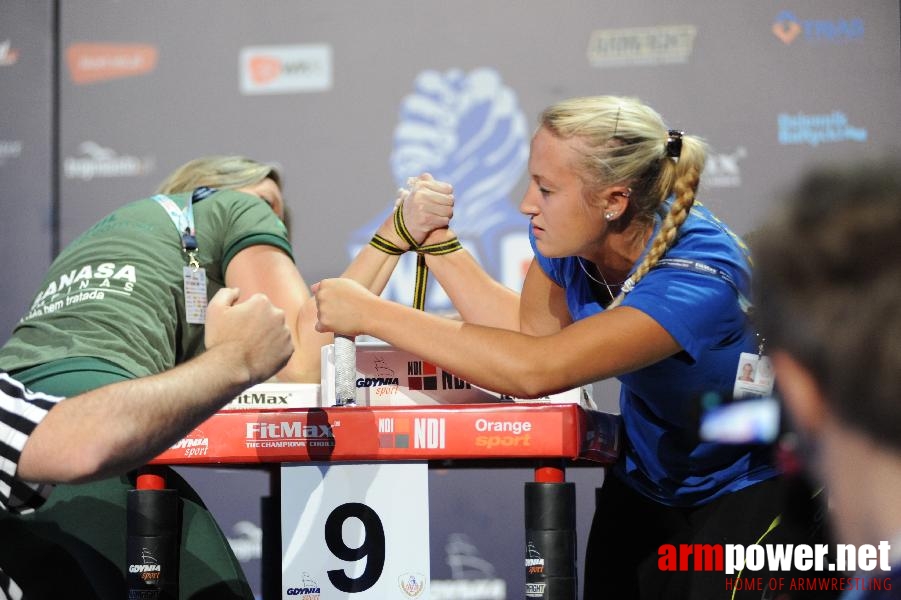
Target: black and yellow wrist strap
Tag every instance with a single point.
(422, 270)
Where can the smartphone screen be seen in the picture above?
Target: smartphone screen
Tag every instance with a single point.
(747, 421)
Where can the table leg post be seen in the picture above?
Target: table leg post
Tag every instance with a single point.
(550, 520)
(271, 524)
(152, 537)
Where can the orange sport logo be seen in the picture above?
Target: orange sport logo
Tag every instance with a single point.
(95, 62)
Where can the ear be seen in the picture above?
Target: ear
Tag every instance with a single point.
(616, 200)
(801, 393)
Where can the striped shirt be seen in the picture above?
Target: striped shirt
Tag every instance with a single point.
(20, 412)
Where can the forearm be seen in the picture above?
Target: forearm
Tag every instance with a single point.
(618, 341)
(476, 295)
(269, 271)
(305, 364)
(122, 426)
(497, 359)
(424, 206)
(371, 268)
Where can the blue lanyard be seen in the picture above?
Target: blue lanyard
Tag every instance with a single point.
(704, 269)
(184, 219)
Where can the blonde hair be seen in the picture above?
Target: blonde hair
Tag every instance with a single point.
(222, 172)
(625, 141)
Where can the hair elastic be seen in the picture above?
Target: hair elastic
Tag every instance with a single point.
(674, 143)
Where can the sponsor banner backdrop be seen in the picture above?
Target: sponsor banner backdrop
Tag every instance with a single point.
(350, 99)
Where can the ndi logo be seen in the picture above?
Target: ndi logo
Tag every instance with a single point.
(788, 27)
(467, 129)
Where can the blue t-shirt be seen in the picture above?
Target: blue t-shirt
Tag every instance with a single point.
(662, 456)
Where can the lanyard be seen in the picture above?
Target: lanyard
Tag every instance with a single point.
(704, 269)
(698, 267)
(183, 219)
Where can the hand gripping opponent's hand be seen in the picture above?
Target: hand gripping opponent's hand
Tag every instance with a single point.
(427, 205)
(342, 304)
(252, 334)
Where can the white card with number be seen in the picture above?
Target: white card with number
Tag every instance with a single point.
(355, 531)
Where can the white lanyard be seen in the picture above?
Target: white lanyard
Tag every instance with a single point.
(193, 276)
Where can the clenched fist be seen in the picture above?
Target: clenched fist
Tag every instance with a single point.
(254, 331)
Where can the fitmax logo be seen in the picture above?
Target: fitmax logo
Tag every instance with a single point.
(261, 399)
(287, 430)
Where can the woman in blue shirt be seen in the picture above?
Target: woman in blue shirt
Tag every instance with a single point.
(631, 279)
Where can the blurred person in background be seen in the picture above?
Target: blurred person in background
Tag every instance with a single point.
(828, 270)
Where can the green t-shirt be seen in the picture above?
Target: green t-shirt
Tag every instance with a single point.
(116, 292)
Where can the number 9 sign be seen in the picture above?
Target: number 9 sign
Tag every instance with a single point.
(355, 531)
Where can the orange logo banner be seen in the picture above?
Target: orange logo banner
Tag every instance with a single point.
(90, 63)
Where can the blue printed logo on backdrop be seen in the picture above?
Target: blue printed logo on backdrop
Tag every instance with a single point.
(466, 129)
(812, 130)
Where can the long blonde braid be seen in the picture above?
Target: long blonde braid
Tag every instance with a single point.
(685, 186)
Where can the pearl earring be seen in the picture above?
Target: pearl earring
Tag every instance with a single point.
(608, 215)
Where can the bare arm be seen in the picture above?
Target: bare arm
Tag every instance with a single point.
(539, 309)
(264, 269)
(608, 344)
(122, 426)
(474, 293)
(430, 207)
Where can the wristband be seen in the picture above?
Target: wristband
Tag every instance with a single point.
(422, 269)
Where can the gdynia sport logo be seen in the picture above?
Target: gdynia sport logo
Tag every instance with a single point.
(785, 566)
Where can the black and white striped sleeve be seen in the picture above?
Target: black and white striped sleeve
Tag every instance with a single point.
(9, 590)
(20, 412)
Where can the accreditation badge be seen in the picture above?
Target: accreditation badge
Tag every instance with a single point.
(754, 378)
(195, 294)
